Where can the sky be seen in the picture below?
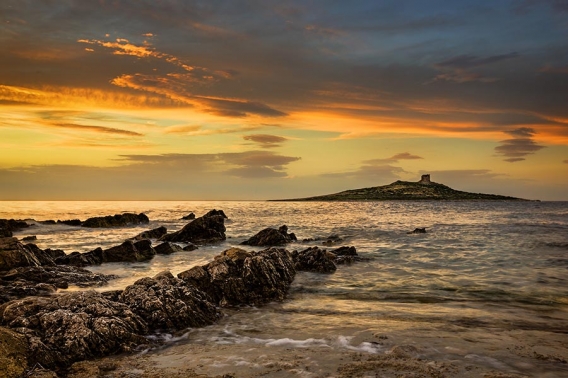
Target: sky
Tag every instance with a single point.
(262, 99)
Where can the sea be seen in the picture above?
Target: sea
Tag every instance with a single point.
(484, 292)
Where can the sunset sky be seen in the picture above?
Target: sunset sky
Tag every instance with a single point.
(199, 100)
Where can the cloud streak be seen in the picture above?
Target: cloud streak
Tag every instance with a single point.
(266, 140)
(521, 145)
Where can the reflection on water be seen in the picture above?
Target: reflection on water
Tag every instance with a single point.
(489, 272)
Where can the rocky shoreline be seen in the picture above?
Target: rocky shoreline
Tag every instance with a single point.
(41, 328)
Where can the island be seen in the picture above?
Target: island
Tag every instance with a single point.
(407, 191)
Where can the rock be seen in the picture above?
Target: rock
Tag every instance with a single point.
(13, 353)
(346, 255)
(43, 257)
(271, 237)
(4, 233)
(166, 302)
(418, 231)
(156, 233)
(94, 257)
(206, 229)
(332, 240)
(21, 289)
(167, 248)
(314, 260)
(75, 326)
(59, 276)
(8, 226)
(189, 216)
(129, 252)
(70, 222)
(14, 254)
(190, 247)
(238, 277)
(214, 212)
(49, 221)
(117, 220)
(54, 253)
(29, 238)
(345, 251)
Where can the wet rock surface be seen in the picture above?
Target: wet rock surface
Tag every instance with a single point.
(166, 302)
(129, 252)
(315, 259)
(60, 276)
(418, 231)
(215, 212)
(72, 327)
(189, 216)
(155, 233)
(14, 254)
(70, 222)
(271, 237)
(13, 354)
(117, 220)
(94, 257)
(167, 248)
(9, 226)
(239, 277)
(205, 229)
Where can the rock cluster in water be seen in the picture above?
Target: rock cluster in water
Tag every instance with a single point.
(58, 330)
(270, 237)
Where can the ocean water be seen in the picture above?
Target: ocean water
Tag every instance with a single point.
(484, 290)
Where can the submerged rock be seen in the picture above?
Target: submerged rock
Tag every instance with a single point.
(155, 233)
(70, 222)
(73, 327)
(14, 254)
(315, 260)
(117, 220)
(271, 237)
(206, 229)
(167, 248)
(29, 238)
(239, 277)
(166, 302)
(418, 231)
(332, 240)
(190, 247)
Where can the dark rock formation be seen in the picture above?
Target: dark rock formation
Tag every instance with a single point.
(94, 257)
(29, 238)
(70, 222)
(239, 277)
(215, 212)
(118, 220)
(129, 252)
(167, 248)
(8, 226)
(189, 216)
(332, 240)
(59, 276)
(155, 233)
(166, 302)
(49, 221)
(271, 237)
(13, 353)
(206, 229)
(14, 254)
(71, 327)
(10, 291)
(346, 255)
(190, 247)
(418, 231)
(54, 253)
(315, 260)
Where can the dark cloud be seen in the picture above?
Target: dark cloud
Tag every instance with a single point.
(520, 146)
(393, 159)
(458, 68)
(96, 129)
(266, 140)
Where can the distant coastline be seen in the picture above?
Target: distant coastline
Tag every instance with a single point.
(423, 190)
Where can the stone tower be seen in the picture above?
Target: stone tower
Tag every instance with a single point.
(425, 179)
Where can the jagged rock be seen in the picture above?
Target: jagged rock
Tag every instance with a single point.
(167, 248)
(156, 233)
(59, 276)
(117, 220)
(29, 238)
(129, 252)
(43, 257)
(14, 254)
(13, 354)
(54, 253)
(239, 277)
(70, 222)
(21, 289)
(215, 212)
(94, 257)
(7, 226)
(166, 302)
(418, 231)
(190, 247)
(74, 326)
(189, 216)
(271, 237)
(206, 229)
(314, 260)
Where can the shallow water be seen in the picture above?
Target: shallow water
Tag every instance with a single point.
(486, 286)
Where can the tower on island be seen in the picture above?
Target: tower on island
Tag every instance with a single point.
(425, 179)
